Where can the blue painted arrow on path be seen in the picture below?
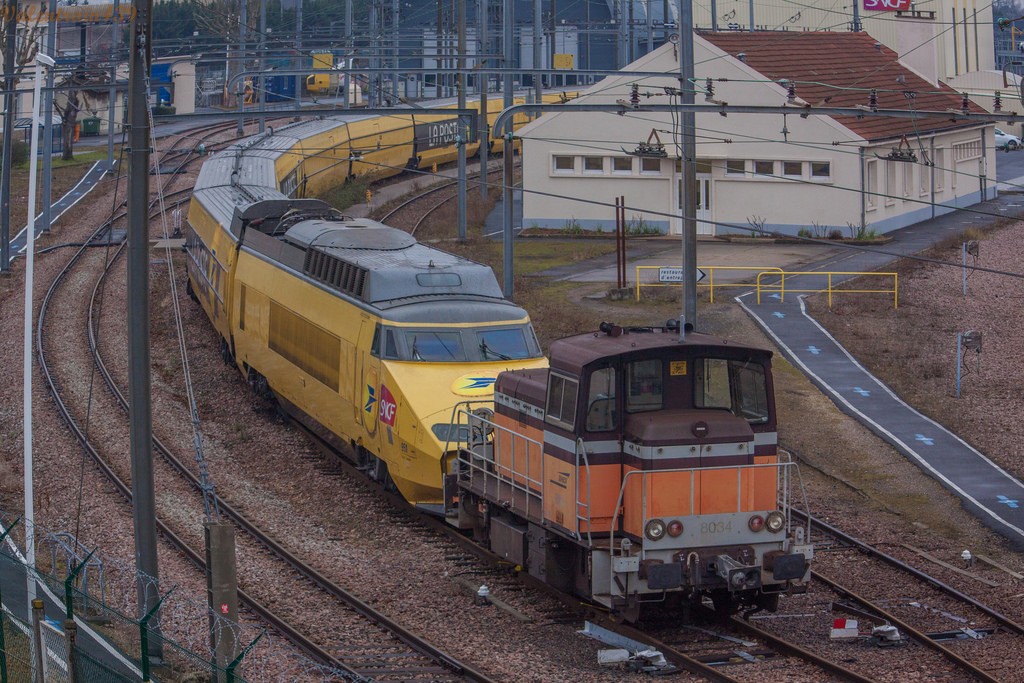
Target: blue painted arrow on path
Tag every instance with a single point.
(778, 314)
(862, 392)
(814, 349)
(1008, 501)
(926, 440)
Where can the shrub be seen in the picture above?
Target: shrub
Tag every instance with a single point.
(835, 234)
(19, 152)
(572, 227)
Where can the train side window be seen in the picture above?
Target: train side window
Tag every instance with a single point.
(643, 386)
(562, 400)
(375, 344)
(750, 393)
(601, 413)
(390, 345)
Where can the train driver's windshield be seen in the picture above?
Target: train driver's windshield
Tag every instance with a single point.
(734, 385)
(447, 345)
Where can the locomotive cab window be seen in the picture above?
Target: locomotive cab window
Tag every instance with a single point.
(733, 385)
(435, 345)
(643, 386)
(504, 344)
(384, 344)
(601, 413)
(562, 400)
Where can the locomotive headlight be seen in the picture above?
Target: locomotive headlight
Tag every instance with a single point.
(675, 528)
(655, 530)
(776, 520)
(756, 523)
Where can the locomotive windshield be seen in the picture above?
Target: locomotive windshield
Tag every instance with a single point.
(734, 385)
(447, 345)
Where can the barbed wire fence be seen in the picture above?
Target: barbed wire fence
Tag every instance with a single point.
(98, 593)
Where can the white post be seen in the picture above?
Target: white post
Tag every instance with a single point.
(30, 531)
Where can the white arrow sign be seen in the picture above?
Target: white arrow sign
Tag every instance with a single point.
(675, 274)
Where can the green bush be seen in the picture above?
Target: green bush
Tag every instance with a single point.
(19, 152)
(162, 110)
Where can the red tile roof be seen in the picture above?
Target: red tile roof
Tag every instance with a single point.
(838, 69)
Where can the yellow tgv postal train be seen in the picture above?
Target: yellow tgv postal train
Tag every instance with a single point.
(354, 327)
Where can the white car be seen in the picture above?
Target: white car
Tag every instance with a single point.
(1006, 141)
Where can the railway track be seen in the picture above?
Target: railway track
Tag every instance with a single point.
(408, 215)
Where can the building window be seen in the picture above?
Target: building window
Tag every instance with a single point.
(650, 165)
(926, 174)
(967, 150)
(793, 169)
(735, 166)
(871, 184)
(821, 170)
(565, 164)
(890, 182)
(593, 164)
(764, 168)
(908, 179)
(622, 165)
(940, 169)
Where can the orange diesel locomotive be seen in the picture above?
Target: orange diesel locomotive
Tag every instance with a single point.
(639, 468)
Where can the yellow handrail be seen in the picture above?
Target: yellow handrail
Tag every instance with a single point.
(710, 284)
(781, 287)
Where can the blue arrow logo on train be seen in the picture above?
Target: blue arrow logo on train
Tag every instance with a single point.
(370, 399)
(479, 382)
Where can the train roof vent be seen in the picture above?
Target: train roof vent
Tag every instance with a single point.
(342, 275)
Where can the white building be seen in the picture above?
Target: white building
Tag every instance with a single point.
(768, 171)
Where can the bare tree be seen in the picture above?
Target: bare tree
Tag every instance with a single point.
(75, 90)
(30, 25)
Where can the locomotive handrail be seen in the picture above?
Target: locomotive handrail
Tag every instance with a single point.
(581, 448)
(502, 473)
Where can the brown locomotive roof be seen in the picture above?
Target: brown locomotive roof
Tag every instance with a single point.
(572, 354)
(838, 69)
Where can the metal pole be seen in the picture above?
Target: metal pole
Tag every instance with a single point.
(141, 438)
(963, 260)
(263, 65)
(112, 93)
(856, 18)
(958, 337)
(689, 168)
(483, 80)
(750, 4)
(350, 57)
(70, 636)
(51, 42)
(10, 102)
(394, 51)
(538, 45)
(507, 18)
(298, 52)
(30, 248)
(460, 10)
(243, 19)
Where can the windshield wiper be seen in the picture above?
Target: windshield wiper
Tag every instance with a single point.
(486, 351)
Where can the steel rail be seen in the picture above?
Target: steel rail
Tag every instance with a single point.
(871, 551)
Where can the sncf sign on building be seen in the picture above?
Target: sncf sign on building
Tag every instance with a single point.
(887, 5)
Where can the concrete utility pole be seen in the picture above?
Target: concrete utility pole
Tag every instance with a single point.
(394, 55)
(299, 81)
(689, 169)
(140, 416)
(351, 53)
(243, 21)
(112, 92)
(482, 80)
(460, 10)
(507, 19)
(11, 11)
(47, 116)
(538, 48)
(263, 65)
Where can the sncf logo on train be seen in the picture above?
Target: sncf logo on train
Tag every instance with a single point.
(388, 407)
(436, 134)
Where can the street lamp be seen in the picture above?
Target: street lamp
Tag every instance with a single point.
(30, 531)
